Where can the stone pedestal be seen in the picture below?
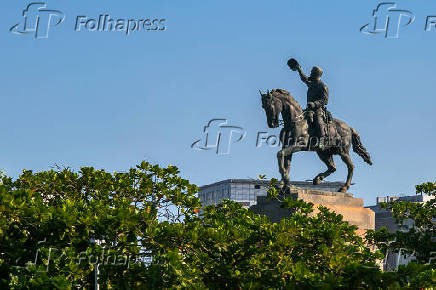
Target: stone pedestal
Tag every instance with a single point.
(349, 207)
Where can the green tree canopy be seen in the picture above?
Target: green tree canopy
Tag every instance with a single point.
(145, 228)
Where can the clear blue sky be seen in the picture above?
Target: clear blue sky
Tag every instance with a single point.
(109, 101)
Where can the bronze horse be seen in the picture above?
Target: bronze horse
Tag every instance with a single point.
(296, 136)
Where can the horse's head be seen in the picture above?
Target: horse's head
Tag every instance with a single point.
(279, 101)
(272, 107)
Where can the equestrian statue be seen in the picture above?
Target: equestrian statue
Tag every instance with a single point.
(312, 129)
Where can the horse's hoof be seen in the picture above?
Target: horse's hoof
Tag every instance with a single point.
(343, 189)
(317, 181)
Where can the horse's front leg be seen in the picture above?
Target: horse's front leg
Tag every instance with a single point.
(285, 143)
(327, 158)
(284, 158)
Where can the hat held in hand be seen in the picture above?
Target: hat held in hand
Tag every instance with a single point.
(293, 64)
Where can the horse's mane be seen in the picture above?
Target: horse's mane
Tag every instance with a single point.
(285, 95)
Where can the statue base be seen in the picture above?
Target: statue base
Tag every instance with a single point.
(349, 207)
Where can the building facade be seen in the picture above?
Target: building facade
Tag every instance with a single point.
(246, 191)
(384, 218)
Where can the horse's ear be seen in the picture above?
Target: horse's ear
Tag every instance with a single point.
(260, 92)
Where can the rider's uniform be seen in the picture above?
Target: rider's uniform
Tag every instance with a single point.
(318, 94)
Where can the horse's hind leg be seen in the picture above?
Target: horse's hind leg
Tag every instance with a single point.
(347, 160)
(327, 158)
(288, 160)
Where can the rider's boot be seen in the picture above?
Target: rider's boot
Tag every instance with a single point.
(323, 139)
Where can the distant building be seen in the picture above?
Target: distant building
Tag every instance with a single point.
(384, 218)
(246, 191)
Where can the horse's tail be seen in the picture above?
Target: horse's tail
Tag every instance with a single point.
(359, 148)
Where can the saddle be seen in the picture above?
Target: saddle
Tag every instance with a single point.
(326, 115)
(327, 119)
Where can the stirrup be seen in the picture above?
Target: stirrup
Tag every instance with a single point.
(321, 143)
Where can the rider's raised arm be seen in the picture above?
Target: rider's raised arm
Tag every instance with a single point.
(303, 77)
